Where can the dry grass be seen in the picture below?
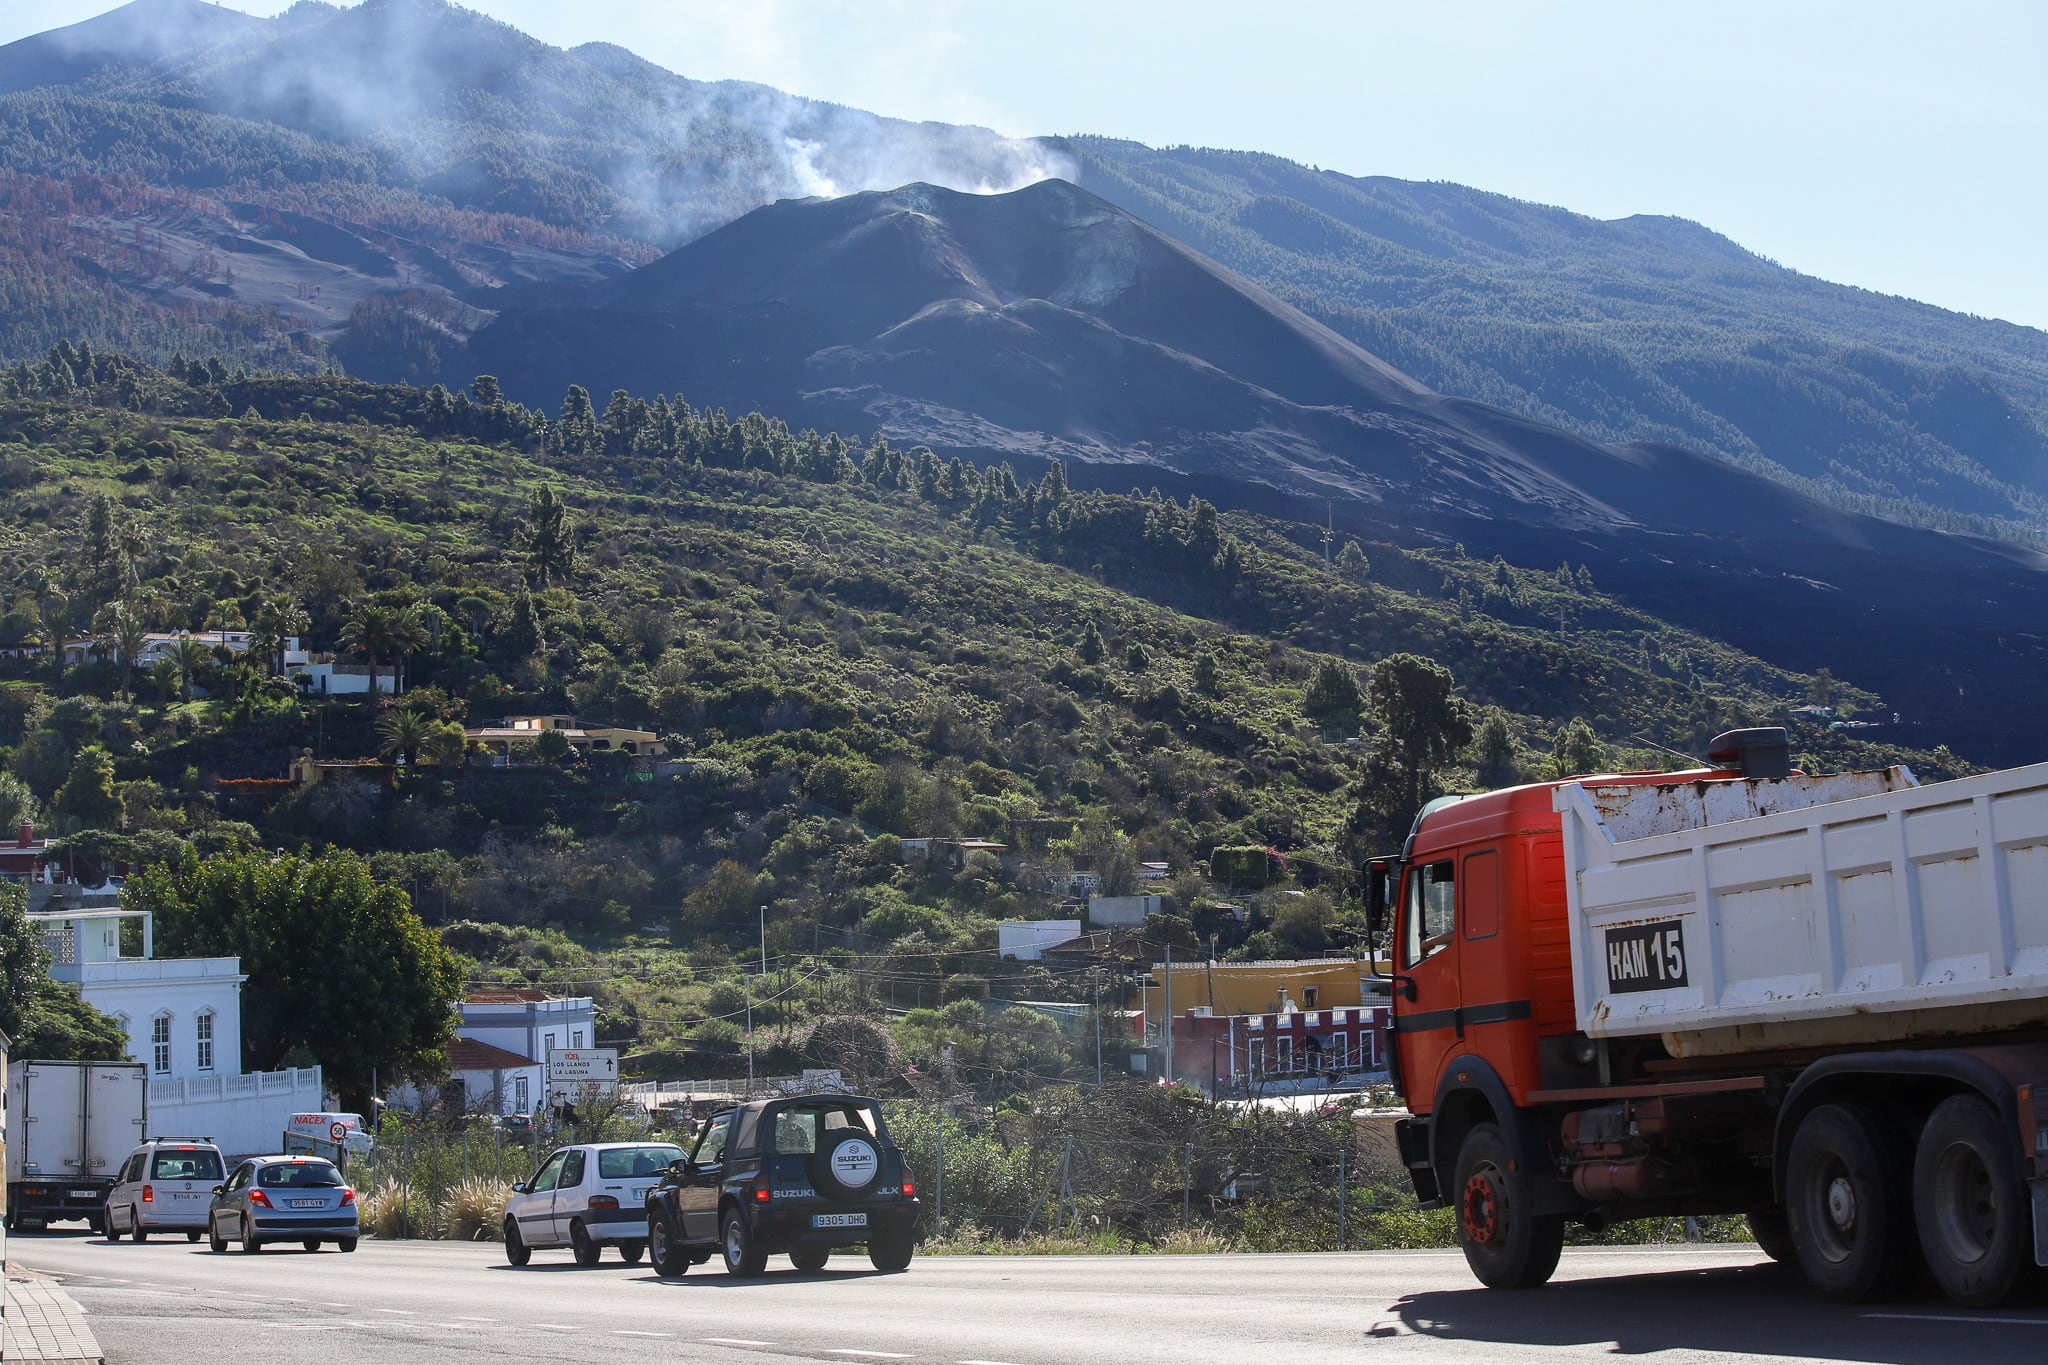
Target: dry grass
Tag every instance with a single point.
(474, 1211)
(394, 1210)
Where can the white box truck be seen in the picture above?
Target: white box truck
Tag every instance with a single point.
(70, 1126)
(1821, 1002)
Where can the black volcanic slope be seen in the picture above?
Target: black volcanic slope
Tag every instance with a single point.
(1049, 323)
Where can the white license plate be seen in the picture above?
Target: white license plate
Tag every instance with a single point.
(176, 1195)
(309, 1203)
(85, 1194)
(839, 1220)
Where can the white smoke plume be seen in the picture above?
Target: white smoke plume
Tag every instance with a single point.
(457, 104)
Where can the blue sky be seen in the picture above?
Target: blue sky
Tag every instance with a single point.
(1894, 146)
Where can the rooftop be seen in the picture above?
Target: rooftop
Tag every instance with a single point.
(466, 1054)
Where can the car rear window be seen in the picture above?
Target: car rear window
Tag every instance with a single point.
(176, 1165)
(797, 1127)
(290, 1173)
(624, 1163)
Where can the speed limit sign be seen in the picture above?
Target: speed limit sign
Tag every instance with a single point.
(337, 1130)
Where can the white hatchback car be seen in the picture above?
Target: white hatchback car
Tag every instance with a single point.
(585, 1196)
(165, 1185)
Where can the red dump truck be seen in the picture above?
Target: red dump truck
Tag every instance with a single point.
(1821, 1002)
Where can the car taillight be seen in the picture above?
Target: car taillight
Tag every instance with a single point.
(348, 1196)
(603, 1201)
(760, 1194)
(909, 1188)
(259, 1199)
(149, 1194)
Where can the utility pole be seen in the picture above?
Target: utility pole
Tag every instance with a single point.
(1095, 980)
(750, 1002)
(1169, 1014)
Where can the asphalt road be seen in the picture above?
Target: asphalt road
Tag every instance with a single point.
(433, 1302)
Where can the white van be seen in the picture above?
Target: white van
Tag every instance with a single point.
(342, 1130)
(165, 1185)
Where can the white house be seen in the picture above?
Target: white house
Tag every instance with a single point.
(183, 1018)
(494, 1080)
(157, 645)
(1027, 939)
(326, 678)
(527, 1023)
(1123, 911)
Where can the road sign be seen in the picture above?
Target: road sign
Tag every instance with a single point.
(583, 1066)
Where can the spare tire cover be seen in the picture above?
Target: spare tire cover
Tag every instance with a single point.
(848, 1163)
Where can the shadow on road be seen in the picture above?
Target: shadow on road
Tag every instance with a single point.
(1763, 1310)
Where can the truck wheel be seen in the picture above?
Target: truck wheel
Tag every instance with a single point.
(744, 1258)
(669, 1258)
(1507, 1246)
(1976, 1225)
(1773, 1236)
(1847, 1203)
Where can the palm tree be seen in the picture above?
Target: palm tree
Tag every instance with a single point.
(278, 620)
(368, 632)
(191, 658)
(401, 731)
(122, 633)
(53, 616)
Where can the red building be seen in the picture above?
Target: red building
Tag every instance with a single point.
(1226, 1052)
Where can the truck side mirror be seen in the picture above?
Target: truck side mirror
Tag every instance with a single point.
(1378, 875)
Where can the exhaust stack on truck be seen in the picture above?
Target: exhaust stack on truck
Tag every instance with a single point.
(1818, 1001)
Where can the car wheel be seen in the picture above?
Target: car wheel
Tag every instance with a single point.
(192, 1236)
(345, 1244)
(249, 1242)
(891, 1253)
(216, 1241)
(808, 1259)
(517, 1252)
(585, 1250)
(744, 1258)
(631, 1252)
(311, 1244)
(668, 1256)
(107, 1229)
(140, 1233)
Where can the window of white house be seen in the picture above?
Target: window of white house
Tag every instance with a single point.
(202, 1033)
(547, 1044)
(160, 1045)
(519, 1094)
(575, 1037)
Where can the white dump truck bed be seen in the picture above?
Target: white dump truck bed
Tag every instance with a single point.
(1741, 916)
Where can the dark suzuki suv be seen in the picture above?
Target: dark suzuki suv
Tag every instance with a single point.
(799, 1176)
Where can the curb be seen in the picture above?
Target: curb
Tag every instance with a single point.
(43, 1323)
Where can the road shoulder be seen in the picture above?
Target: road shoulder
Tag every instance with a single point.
(43, 1322)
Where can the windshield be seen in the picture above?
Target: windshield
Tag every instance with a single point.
(298, 1173)
(186, 1166)
(625, 1163)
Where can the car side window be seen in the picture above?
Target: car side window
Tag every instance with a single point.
(711, 1146)
(133, 1170)
(240, 1180)
(548, 1175)
(572, 1172)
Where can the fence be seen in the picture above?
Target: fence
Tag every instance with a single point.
(1125, 1167)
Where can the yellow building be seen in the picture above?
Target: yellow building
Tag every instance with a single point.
(1279, 987)
(518, 731)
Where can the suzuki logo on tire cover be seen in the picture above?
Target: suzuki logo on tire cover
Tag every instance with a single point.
(854, 1163)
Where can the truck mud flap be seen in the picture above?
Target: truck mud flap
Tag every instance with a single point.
(1411, 1136)
(2039, 1189)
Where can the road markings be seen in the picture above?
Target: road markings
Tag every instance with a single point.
(1959, 1317)
(623, 1332)
(461, 1317)
(401, 1312)
(987, 1362)
(736, 1341)
(867, 1355)
(556, 1327)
